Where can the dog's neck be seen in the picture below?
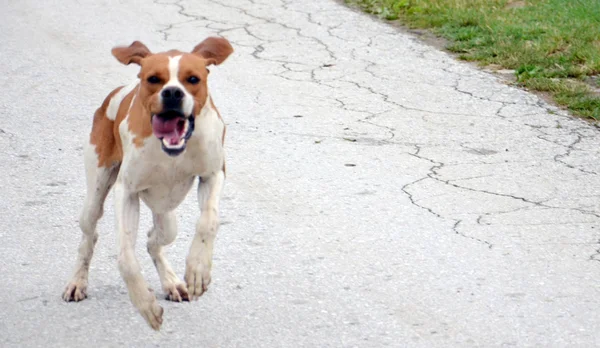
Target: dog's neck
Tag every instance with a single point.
(206, 108)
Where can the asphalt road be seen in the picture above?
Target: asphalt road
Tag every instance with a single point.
(379, 192)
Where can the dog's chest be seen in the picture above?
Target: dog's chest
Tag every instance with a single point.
(162, 185)
(163, 181)
(166, 197)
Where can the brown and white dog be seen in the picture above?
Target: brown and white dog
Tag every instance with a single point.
(151, 139)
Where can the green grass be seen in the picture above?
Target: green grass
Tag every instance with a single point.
(553, 45)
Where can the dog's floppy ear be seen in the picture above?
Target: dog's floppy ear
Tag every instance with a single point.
(214, 49)
(132, 54)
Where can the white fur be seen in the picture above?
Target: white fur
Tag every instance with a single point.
(115, 101)
(161, 182)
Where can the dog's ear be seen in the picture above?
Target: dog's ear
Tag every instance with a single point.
(214, 49)
(132, 54)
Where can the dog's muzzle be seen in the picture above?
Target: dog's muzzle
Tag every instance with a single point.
(173, 129)
(172, 126)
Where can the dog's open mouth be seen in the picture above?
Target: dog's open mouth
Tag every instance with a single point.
(173, 129)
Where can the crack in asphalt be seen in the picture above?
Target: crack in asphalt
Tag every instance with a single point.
(389, 135)
(456, 230)
(431, 175)
(569, 149)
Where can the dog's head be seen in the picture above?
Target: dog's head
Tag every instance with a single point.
(173, 86)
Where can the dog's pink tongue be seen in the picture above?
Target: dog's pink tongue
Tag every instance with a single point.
(166, 129)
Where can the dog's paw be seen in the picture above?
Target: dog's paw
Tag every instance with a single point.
(152, 312)
(197, 277)
(144, 300)
(76, 291)
(177, 292)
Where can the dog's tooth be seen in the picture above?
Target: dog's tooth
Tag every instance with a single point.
(168, 144)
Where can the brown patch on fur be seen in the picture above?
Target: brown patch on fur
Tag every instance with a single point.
(105, 132)
(134, 53)
(147, 101)
(155, 65)
(102, 135)
(135, 121)
(192, 65)
(140, 124)
(214, 49)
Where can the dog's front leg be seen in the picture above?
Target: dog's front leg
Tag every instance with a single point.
(127, 215)
(199, 260)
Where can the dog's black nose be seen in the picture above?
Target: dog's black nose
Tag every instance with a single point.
(172, 97)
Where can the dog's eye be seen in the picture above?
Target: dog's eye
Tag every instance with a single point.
(153, 79)
(193, 80)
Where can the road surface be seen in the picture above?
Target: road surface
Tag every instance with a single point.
(379, 192)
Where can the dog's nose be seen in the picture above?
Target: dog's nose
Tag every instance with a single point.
(172, 94)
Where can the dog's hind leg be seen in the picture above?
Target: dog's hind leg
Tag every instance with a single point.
(99, 181)
(162, 234)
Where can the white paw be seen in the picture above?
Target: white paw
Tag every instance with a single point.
(176, 292)
(197, 277)
(76, 291)
(152, 312)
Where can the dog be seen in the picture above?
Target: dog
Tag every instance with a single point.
(150, 140)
